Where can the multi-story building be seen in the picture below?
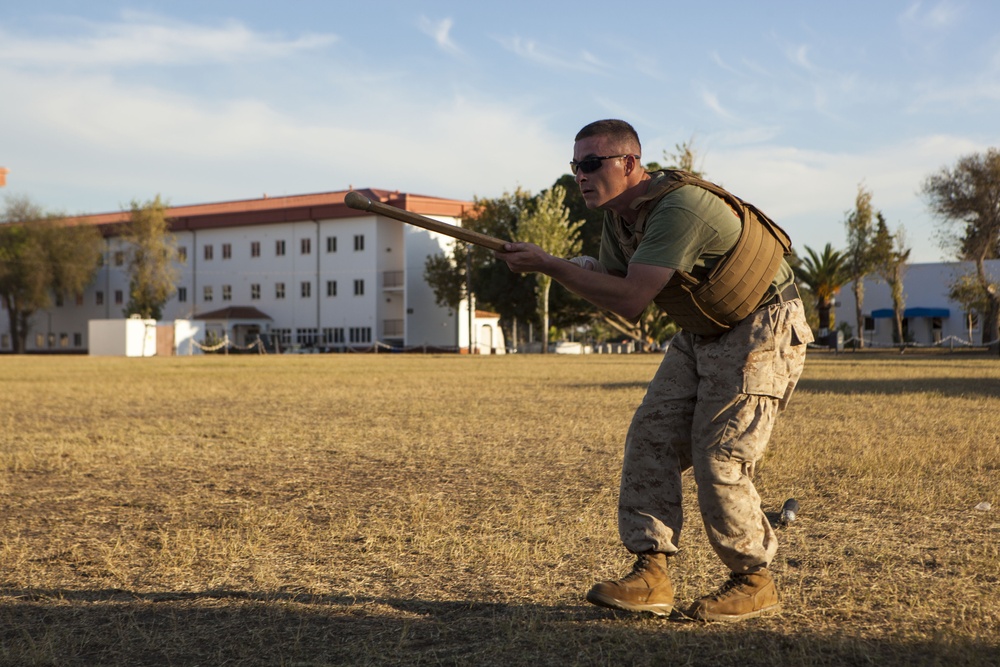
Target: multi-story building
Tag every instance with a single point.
(306, 270)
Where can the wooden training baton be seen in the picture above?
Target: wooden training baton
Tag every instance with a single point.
(360, 202)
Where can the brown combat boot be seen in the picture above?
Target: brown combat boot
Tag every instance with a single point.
(646, 588)
(743, 596)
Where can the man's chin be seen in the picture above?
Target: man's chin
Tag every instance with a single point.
(590, 200)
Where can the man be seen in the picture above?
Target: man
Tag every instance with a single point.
(715, 264)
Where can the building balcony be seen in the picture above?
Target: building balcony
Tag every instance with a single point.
(392, 281)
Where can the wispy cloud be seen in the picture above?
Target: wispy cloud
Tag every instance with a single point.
(440, 32)
(799, 56)
(144, 39)
(921, 16)
(711, 100)
(538, 54)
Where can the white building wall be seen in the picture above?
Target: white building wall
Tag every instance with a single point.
(925, 286)
(369, 251)
(426, 322)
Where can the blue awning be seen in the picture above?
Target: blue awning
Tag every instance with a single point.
(912, 312)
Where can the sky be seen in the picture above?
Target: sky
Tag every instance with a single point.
(791, 105)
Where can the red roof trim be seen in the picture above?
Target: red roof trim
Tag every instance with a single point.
(271, 210)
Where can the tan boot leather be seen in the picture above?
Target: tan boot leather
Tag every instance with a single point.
(743, 596)
(646, 588)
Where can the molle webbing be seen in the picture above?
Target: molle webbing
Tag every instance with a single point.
(736, 285)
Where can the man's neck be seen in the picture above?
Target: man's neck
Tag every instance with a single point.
(622, 204)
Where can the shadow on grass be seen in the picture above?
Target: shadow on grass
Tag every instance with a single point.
(942, 386)
(118, 627)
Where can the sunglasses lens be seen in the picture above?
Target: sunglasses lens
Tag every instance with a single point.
(588, 166)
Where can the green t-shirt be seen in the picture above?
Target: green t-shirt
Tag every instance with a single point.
(689, 229)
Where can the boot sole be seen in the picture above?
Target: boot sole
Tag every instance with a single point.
(733, 618)
(614, 603)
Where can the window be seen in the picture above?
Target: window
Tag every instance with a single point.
(331, 288)
(306, 337)
(279, 248)
(282, 336)
(207, 293)
(64, 340)
(39, 340)
(255, 248)
(77, 339)
(279, 290)
(305, 245)
(182, 254)
(79, 299)
(208, 252)
(359, 287)
(255, 291)
(59, 300)
(99, 298)
(227, 292)
(119, 258)
(5, 341)
(305, 289)
(227, 251)
(333, 335)
(869, 323)
(359, 242)
(361, 334)
(119, 297)
(331, 244)
(182, 294)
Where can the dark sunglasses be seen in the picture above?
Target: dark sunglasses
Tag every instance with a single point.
(589, 165)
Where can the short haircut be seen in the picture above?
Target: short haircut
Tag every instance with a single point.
(617, 130)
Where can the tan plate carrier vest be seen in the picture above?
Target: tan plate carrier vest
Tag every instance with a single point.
(735, 286)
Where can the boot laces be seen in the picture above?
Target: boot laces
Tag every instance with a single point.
(735, 582)
(641, 564)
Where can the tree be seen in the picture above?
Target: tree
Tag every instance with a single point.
(890, 255)
(548, 226)
(151, 261)
(824, 274)
(968, 196)
(446, 276)
(858, 256)
(967, 291)
(512, 295)
(41, 255)
(683, 157)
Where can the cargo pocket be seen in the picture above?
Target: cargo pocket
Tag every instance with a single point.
(763, 372)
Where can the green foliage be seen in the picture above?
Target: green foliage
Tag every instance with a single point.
(858, 256)
(890, 254)
(152, 253)
(40, 256)
(445, 273)
(549, 227)
(967, 197)
(823, 274)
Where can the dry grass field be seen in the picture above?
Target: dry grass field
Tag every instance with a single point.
(446, 510)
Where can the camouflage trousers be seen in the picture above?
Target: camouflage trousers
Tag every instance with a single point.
(711, 406)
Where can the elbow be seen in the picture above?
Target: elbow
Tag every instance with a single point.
(632, 311)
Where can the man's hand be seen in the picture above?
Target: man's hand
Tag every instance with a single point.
(524, 257)
(626, 295)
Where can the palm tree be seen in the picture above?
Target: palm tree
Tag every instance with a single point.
(824, 275)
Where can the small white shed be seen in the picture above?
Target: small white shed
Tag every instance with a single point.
(132, 337)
